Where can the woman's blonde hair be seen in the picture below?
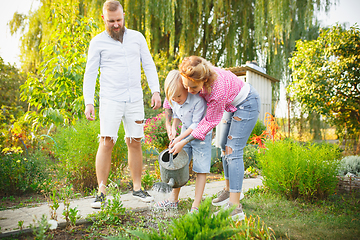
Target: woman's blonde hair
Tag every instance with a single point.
(172, 84)
(197, 69)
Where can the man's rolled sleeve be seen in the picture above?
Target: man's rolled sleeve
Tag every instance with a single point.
(91, 73)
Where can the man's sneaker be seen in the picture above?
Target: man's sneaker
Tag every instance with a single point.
(222, 198)
(166, 204)
(237, 214)
(143, 195)
(99, 200)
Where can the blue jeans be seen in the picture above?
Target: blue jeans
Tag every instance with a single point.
(235, 131)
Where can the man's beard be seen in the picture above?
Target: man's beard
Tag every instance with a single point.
(118, 36)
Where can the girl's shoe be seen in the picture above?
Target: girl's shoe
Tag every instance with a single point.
(166, 204)
(194, 210)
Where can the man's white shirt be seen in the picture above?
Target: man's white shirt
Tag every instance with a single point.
(120, 69)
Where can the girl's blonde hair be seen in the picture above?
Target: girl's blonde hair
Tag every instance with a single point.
(197, 69)
(172, 84)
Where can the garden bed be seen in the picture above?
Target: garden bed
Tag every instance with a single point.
(348, 184)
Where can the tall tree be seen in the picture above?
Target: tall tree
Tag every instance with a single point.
(278, 24)
(223, 32)
(326, 77)
(37, 26)
(55, 93)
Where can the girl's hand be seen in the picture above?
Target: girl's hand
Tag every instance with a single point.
(177, 147)
(171, 134)
(175, 141)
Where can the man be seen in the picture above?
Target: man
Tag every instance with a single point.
(118, 52)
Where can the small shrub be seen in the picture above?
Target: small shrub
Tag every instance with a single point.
(251, 172)
(300, 171)
(350, 164)
(148, 180)
(250, 156)
(200, 225)
(113, 213)
(43, 226)
(20, 173)
(76, 151)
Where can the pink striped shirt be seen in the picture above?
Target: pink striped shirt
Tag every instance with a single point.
(224, 90)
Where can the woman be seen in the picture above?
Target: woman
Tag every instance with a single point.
(223, 91)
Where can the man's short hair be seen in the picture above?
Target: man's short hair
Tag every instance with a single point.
(111, 5)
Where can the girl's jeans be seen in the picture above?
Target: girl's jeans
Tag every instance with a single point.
(235, 131)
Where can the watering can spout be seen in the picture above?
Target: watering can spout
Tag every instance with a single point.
(171, 182)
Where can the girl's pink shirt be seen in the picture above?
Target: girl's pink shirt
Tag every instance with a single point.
(226, 87)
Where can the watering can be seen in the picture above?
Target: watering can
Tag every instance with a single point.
(174, 171)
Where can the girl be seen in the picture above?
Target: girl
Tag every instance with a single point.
(188, 109)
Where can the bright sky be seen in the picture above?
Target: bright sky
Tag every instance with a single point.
(9, 45)
(344, 11)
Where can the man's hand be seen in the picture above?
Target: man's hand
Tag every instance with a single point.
(156, 100)
(90, 112)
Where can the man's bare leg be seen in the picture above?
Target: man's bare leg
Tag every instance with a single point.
(103, 162)
(135, 160)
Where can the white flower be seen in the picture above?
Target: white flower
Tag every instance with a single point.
(53, 224)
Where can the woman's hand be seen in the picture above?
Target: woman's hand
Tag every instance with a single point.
(175, 141)
(177, 147)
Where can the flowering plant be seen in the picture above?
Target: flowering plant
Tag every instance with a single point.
(155, 133)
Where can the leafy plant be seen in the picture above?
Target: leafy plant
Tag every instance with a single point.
(70, 215)
(200, 225)
(20, 173)
(112, 213)
(73, 215)
(300, 171)
(43, 226)
(54, 203)
(350, 164)
(148, 179)
(250, 156)
(76, 152)
(55, 94)
(251, 172)
(21, 224)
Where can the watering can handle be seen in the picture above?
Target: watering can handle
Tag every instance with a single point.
(171, 157)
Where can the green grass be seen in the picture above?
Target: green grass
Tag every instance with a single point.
(338, 217)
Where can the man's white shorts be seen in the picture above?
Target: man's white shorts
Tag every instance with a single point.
(112, 113)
